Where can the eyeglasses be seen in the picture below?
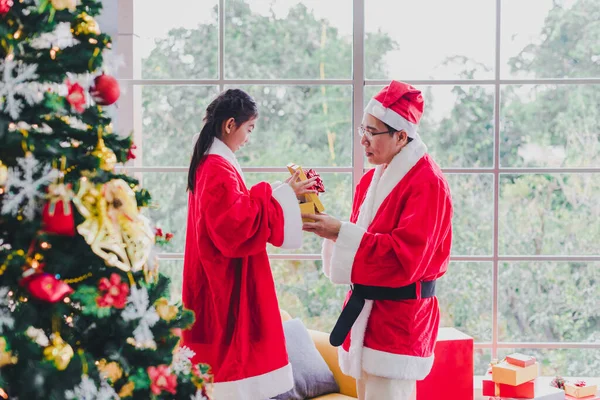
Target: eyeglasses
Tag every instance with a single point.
(362, 131)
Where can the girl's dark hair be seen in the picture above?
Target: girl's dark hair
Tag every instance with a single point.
(232, 103)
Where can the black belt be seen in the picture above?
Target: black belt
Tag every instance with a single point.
(360, 293)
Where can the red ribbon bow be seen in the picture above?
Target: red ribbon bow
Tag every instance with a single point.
(319, 186)
(580, 383)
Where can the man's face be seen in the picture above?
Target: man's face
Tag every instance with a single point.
(380, 149)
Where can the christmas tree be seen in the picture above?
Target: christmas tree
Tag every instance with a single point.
(84, 312)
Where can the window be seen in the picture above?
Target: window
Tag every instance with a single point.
(512, 91)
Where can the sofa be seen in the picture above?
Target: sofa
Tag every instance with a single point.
(346, 383)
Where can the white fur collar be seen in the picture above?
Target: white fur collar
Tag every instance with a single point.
(384, 181)
(221, 149)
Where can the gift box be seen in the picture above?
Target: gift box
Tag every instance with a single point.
(523, 391)
(451, 375)
(312, 204)
(544, 392)
(520, 360)
(513, 375)
(580, 389)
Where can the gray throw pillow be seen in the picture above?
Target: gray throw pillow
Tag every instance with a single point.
(312, 376)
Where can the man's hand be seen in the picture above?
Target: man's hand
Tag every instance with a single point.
(325, 225)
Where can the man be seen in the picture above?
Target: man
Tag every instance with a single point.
(395, 246)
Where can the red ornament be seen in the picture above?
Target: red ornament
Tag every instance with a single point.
(76, 96)
(5, 6)
(162, 380)
(47, 288)
(158, 232)
(105, 90)
(114, 291)
(168, 236)
(57, 216)
(319, 186)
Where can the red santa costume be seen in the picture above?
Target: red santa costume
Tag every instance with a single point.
(399, 236)
(228, 281)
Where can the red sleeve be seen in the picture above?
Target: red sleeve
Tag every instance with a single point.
(402, 256)
(240, 223)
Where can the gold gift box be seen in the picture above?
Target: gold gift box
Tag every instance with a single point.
(513, 375)
(312, 204)
(580, 391)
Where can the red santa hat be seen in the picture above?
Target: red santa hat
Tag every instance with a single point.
(399, 105)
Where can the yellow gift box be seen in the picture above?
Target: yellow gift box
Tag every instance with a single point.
(312, 204)
(513, 375)
(580, 391)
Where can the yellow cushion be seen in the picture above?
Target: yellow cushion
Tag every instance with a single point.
(329, 353)
(334, 396)
(285, 316)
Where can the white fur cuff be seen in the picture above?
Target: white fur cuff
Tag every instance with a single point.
(344, 251)
(326, 253)
(292, 229)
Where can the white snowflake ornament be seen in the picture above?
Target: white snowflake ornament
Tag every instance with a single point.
(87, 390)
(61, 37)
(6, 319)
(139, 307)
(22, 189)
(15, 82)
(182, 360)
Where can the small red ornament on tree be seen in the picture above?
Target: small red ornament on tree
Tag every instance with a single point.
(5, 6)
(57, 216)
(47, 287)
(162, 380)
(76, 96)
(114, 291)
(106, 90)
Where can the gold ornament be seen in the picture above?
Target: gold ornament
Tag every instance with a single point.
(110, 370)
(164, 310)
(113, 226)
(59, 352)
(3, 174)
(86, 25)
(6, 357)
(62, 4)
(127, 389)
(107, 157)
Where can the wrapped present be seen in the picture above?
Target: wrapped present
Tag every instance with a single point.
(545, 392)
(523, 391)
(513, 375)
(520, 360)
(580, 389)
(451, 375)
(312, 204)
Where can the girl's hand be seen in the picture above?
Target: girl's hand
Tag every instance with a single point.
(301, 187)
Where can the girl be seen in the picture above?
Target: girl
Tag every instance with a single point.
(227, 277)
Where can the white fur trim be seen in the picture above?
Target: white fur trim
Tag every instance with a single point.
(257, 387)
(351, 363)
(395, 171)
(221, 149)
(396, 366)
(359, 358)
(292, 228)
(344, 251)
(326, 253)
(391, 117)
